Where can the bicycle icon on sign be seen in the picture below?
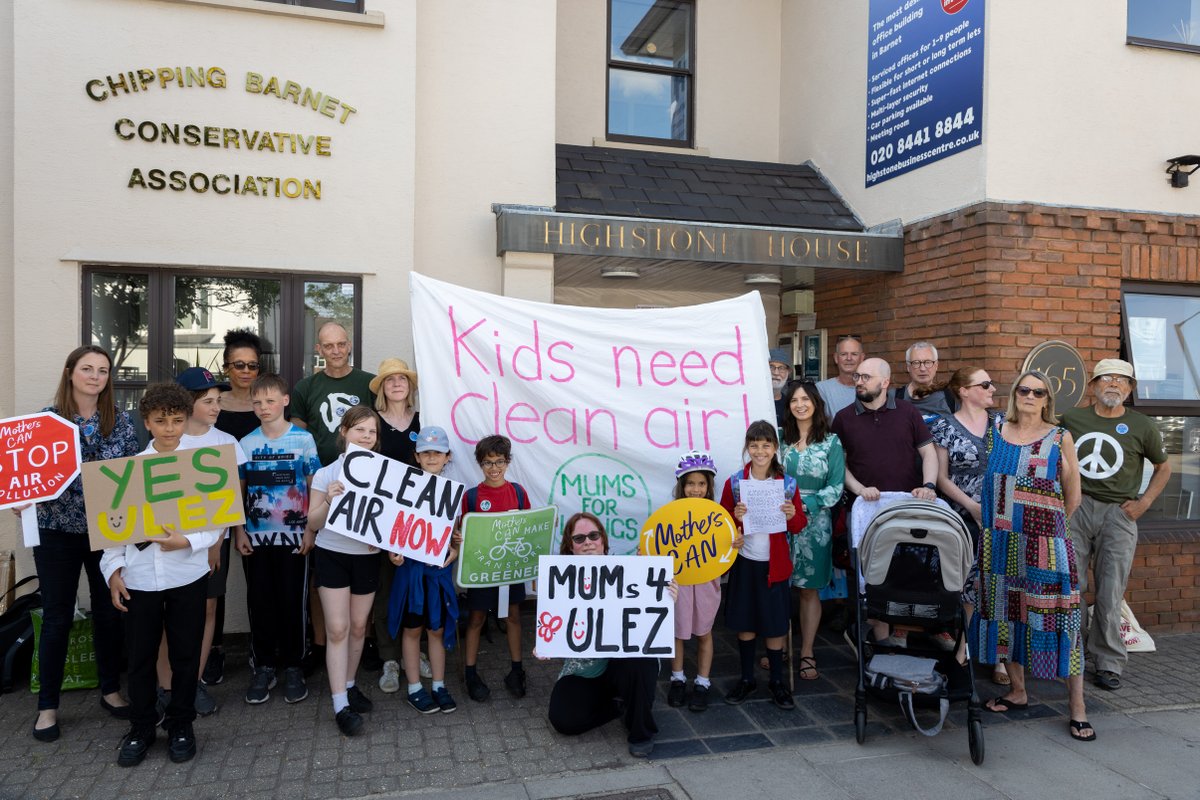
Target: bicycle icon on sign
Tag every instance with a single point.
(508, 547)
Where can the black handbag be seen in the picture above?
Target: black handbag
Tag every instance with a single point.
(16, 636)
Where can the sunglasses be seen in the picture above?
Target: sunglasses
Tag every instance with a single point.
(1025, 391)
(982, 385)
(580, 538)
(242, 366)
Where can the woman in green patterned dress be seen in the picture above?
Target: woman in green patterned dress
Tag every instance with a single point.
(813, 456)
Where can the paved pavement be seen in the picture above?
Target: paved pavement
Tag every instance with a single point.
(1148, 745)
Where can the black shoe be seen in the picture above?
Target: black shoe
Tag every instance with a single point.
(214, 668)
(699, 700)
(120, 712)
(740, 691)
(370, 656)
(477, 690)
(134, 747)
(677, 694)
(182, 743)
(1108, 680)
(348, 722)
(359, 702)
(50, 734)
(641, 749)
(294, 687)
(780, 696)
(514, 681)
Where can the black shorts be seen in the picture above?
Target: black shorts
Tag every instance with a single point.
(752, 605)
(488, 599)
(218, 579)
(340, 570)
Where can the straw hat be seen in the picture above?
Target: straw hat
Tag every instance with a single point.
(394, 366)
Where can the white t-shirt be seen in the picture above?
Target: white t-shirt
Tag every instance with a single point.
(327, 539)
(214, 438)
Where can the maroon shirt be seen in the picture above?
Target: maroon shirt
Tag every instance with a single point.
(881, 445)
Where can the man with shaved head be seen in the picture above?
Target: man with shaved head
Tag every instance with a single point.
(888, 446)
(319, 400)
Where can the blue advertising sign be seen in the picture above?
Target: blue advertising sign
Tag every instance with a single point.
(924, 83)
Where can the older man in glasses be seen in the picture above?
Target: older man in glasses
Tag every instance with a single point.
(922, 361)
(838, 391)
(1111, 442)
(780, 364)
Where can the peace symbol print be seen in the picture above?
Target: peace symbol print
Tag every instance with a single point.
(1100, 456)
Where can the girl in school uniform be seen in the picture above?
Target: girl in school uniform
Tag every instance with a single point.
(696, 606)
(758, 601)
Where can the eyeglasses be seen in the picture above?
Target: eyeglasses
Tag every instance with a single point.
(493, 464)
(784, 368)
(982, 385)
(580, 538)
(243, 366)
(860, 376)
(1025, 391)
(927, 363)
(1113, 379)
(856, 337)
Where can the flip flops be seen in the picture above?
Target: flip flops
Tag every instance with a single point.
(1001, 705)
(1000, 676)
(808, 669)
(1082, 731)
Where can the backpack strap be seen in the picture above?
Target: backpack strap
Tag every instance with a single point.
(735, 483)
(472, 498)
(522, 497)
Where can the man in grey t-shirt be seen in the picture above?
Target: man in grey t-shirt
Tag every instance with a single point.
(838, 391)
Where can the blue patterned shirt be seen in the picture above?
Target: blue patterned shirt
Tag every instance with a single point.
(67, 513)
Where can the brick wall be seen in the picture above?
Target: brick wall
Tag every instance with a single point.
(989, 282)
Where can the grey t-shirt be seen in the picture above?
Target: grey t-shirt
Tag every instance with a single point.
(836, 396)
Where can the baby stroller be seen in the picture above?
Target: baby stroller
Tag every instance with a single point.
(912, 563)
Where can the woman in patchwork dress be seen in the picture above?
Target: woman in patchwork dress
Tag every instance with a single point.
(1028, 613)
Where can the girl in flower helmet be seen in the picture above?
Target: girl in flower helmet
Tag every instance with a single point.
(696, 606)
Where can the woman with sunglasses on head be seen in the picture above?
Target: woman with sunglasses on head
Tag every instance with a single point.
(962, 462)
(1028, 613)
(243, 363)
(590, 692)
(85, 397)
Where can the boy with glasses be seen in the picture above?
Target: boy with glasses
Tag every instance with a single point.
(495, 494)
(1111, 442)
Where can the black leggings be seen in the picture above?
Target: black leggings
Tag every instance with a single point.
(626, 689)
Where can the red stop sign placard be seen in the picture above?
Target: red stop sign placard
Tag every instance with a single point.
(39, 457)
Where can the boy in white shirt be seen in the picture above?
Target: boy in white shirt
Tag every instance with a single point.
(162, 584)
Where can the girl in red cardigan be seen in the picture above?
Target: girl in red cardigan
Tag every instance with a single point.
(757, 597)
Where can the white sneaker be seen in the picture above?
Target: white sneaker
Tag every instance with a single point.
(426, 670)
(389, 681)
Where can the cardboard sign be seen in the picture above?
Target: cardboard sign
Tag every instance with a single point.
(503, 548)
(697, 534)
(40, 458)
(605, 607)
(395, 507)
(128, 500)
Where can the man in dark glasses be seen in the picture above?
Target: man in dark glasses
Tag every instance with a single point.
(921, 359)
(838, 391)
(1111, 441)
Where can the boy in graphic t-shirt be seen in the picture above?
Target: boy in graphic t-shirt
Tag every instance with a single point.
(495, 494)
(282, 462)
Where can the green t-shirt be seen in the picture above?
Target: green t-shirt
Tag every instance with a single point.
(1110, 451)
(319, 401)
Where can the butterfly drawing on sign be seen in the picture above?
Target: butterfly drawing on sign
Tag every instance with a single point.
(548, 625)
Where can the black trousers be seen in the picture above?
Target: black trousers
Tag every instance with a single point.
(626, 690)
(277, 599)
(180, 611)
(58, 559)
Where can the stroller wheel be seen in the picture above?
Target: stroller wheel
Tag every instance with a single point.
(860, 725)
(975, 735)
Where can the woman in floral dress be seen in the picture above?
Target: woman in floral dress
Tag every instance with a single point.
(813, 456)
(1029, 614)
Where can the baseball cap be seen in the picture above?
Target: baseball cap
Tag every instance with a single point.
(1113, 366)
(433, 438)
(197, 379)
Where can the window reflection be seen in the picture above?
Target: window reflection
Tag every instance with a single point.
(1180, 500)
(1163, 332)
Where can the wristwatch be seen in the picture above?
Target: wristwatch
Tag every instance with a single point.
(929, 485)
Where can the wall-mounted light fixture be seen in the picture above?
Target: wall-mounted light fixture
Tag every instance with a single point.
(761, 279)
(620, 272)
(1179, 175)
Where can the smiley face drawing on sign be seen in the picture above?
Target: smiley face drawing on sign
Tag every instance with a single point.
(1100, 456)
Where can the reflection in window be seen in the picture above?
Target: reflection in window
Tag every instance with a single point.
(206, 308)
(1163, 333)
(650, 70)
(1180, 500)
(120, 316)
(1174, 23)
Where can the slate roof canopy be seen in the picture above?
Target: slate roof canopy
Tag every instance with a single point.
(638, 183)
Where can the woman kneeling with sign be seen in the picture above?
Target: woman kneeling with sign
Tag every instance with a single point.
(591, 691)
